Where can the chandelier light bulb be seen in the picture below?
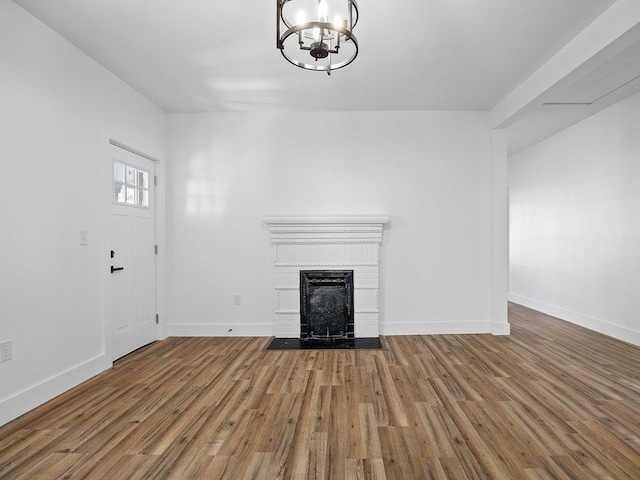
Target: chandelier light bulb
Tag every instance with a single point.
(322, 10)
(301, 18)
(337, 22)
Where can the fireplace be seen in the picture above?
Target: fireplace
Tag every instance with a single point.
(326, 305)
(326, 244)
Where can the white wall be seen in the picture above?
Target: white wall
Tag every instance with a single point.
(53, 102)
(575, 223)
(429, 171)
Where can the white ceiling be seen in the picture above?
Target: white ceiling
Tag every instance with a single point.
(212, 55)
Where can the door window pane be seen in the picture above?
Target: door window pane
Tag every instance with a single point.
(118, 172)
(118, 192)
(143, 197)
(131, 175)
(143, 179)
(132, 195)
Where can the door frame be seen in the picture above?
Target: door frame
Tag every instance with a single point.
(108, 140)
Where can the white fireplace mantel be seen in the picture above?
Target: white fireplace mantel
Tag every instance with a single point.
(314, 220)
(350, 242)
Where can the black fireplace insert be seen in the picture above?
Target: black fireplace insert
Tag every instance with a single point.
(326, 305)
(326, 314)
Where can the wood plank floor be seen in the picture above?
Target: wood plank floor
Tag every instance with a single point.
(551, 401)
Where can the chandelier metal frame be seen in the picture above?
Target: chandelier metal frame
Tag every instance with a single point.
(325, 42)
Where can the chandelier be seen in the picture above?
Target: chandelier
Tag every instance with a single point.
(317, 34)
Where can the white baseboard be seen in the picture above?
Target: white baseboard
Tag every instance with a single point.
(404, 328)
(500, 328)
(222, 330)
(435, 328)
(20, 403)
(616, 331)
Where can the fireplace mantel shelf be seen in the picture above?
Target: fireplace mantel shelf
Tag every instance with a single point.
(327, 220)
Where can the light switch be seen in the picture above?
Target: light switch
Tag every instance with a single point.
(82, 238)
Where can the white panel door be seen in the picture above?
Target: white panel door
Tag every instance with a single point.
(132, 252)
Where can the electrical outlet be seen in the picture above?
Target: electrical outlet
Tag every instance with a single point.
(5, 351)
(82, 237)
(236, 299)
